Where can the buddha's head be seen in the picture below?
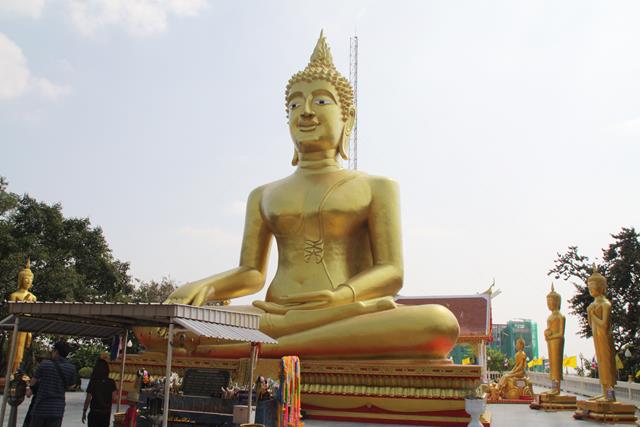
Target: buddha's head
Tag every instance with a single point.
(519, 344)
(320, 106)
(553, 300)
(25, 277)
(597, 283)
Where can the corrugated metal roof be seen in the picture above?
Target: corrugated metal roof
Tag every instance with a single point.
(59, 327)
(226, 332)
(134, 314)
(107, 319)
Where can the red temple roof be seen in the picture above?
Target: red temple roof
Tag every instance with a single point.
(472, 311)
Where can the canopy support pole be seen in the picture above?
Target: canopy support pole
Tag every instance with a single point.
(7, 375)
(167, 380)
(124, 360)
(252, 364)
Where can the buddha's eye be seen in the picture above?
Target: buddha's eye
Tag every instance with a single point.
(322, 101)
(293, 106)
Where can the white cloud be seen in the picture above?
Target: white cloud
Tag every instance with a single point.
(22, 8)
(48, 89)
(138, 17)
(16, 78)
(14, 73)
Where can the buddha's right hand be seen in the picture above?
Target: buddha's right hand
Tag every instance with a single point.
(195, 293)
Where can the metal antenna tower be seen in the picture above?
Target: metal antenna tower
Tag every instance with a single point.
(353, 79)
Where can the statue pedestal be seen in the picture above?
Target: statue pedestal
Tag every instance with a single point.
(554, 402)
(610, 412)
(412, 392)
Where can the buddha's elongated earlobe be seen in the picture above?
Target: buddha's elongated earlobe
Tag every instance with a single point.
(295, 159)
(343, 146)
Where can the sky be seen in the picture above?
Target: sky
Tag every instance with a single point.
(512, 128)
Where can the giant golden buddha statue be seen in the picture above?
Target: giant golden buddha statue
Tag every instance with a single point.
(339, 246)
(23, 341)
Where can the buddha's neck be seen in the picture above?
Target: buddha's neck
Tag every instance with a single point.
(319, 161)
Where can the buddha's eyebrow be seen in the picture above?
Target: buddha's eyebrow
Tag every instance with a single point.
(293, 95)
(324, 92)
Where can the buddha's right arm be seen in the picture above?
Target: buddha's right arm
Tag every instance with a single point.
(246, 279)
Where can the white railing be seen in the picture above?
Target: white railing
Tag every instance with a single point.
(587, 386)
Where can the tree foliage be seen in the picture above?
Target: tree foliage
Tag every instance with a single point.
(620, 264)
(70, 258)
(496, 359)
(153, 291)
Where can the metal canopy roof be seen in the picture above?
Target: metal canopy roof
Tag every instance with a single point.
(217, 330)
(108, 319)
(60, 327)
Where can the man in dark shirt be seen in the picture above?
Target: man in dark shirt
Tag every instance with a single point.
(52, 377)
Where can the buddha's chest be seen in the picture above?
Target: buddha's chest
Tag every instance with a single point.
(318, 207)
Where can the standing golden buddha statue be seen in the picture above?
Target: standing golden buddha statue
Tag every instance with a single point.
(599, 317)
(25, 281)
(554, 335)
(603, 407)
(339, 246)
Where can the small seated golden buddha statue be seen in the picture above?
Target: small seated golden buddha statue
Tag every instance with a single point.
(515, 384)
(25, 281)
(339, 246)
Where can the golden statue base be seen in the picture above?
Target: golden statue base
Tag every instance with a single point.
(554, 402)
(411, 392)
(606, 412)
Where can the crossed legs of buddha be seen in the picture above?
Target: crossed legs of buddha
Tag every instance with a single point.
(371, 329)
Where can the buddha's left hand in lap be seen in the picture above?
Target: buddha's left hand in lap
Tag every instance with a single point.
(308, 301)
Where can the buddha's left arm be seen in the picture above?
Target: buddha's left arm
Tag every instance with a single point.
(384, 278)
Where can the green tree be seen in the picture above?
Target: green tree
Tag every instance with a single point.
(495, 360)
(70, 258)
(620, 264)
(153, 291)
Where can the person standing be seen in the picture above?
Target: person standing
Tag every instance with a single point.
(52, 377)
(101, 391)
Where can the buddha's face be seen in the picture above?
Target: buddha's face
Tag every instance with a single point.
(595, 288)
(26, 282)
(553, 303)
(519, 345)
(315, 117)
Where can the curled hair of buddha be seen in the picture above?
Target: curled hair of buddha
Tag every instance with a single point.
(597, 279)
(321, 67)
